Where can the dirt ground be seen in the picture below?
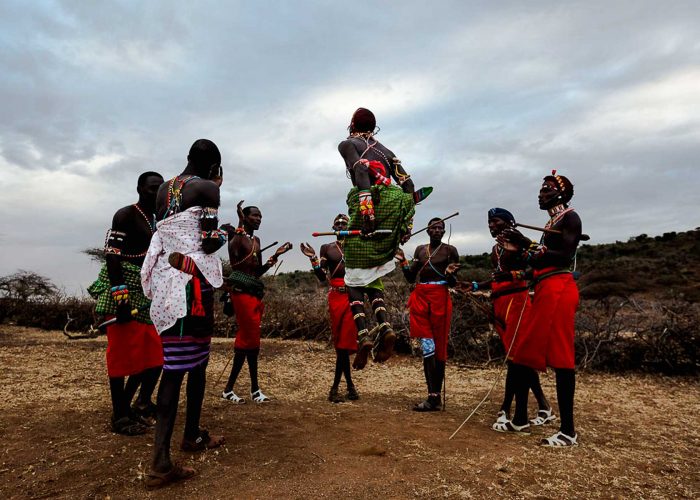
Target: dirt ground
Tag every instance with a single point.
(639, 434)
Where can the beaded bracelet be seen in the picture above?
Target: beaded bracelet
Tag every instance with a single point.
(315, 263)
(475, 286)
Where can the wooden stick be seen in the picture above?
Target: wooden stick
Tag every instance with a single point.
(434, 222)
(584, 237)
(268, 246)
(351, 232)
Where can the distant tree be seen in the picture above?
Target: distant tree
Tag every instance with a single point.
(26, 285)
(97, 254)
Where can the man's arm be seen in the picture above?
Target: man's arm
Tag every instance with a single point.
(402, 178)
(359, 169)
(213, 238)
(116, 239)
(451, 270)
(561, 257)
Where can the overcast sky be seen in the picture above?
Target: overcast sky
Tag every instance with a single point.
(478, 99)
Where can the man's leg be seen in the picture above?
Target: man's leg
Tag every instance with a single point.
(566, 387)
(149, 381)
(333, 395)
(430, 370)
(356, 295)
(509, 391)
(116, 390)
(386, 337)
(238, 360)
(132, 384)
(521, 388)
(252, 357)
(168, 398)
(196, 383)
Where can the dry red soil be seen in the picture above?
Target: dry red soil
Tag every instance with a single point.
(639, 435)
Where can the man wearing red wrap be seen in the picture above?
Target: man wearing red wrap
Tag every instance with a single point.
(548, 339)
(246, 297)
(134, 348)
(510, 296)
(331, 266)
(430, 306)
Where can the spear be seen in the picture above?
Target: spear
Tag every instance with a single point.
(433, 223)
(268, 246)
(351, 232)
(584, 237)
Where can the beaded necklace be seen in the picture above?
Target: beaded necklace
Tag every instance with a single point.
(151, 226)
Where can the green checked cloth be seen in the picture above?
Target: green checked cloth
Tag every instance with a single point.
(100, 290)
(394, 211)
(245, 283)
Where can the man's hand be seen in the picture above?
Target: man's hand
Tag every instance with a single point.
(463, 286)
(368, 225)
(239, 211)
(400, 255)
(284, 248)
(405, 238)
(502, 276)
(228, 228)
(307, 250)
(512, 237)
(124, 312)
(452, 268)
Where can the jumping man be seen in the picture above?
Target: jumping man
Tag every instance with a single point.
(331, 267)
(374, 203)
(430, 305)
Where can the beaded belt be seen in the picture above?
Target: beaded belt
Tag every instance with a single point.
(340, 289)
(433, 283)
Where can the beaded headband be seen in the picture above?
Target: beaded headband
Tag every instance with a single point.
(560, 182)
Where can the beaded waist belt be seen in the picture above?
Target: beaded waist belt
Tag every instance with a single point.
(340, 289)
(443, 282)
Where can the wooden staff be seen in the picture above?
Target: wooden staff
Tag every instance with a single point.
(351, 232)
(268, 246)
(434, 222)
(584, 237)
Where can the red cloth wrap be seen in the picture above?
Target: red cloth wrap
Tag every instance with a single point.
(507, 310)
(132, 347)
(430, 308)
(548, 336)
(249, 311)
(343, 326)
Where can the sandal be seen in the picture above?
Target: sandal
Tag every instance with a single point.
(508, 426)
(334, 397)
(501, 418)
(203, 442)
(144, 415)
(543, 417)
(231, 396)
(128, 427)
(560, 440)
(384, 346)
(427, 405)
(363, 352)
(259, 397)
(159, 479)
(352, 394)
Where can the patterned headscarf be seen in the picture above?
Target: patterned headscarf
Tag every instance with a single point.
(501, 213)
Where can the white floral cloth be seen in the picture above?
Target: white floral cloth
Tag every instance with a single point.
(164, 284)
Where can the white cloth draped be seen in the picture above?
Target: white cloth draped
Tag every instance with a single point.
(365, 276)
(164, 284)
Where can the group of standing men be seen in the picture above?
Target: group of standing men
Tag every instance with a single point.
(161, 272)
(536, 333)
